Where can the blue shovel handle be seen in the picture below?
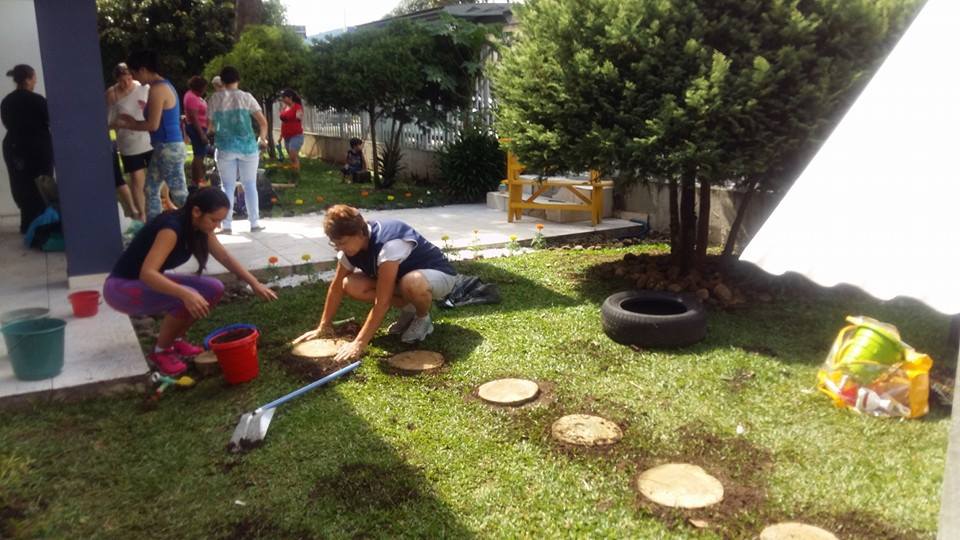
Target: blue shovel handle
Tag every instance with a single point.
(335, 375)
(222, 329)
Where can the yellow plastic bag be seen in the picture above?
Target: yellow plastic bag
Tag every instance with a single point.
(871, 370)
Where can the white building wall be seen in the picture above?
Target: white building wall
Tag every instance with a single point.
(19, 44)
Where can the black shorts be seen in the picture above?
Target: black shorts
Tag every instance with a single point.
(136, 161)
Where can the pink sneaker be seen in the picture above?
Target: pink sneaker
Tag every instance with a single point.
(166, 362)
(185, 349)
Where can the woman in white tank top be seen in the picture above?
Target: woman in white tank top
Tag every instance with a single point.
(129, 97)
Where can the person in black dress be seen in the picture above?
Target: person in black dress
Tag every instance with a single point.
(27, 147)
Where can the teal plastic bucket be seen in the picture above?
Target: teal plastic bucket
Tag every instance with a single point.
(35, 347)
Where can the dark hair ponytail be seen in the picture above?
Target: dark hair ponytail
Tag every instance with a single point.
(207, 200)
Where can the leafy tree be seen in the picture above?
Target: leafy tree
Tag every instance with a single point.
(185, 33)
(269, 59)
(411, 73)
(690, 91)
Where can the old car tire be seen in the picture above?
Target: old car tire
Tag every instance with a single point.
(654, 318)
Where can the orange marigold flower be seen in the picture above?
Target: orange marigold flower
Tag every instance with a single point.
(273, 260)
(539, 226)
(408, 194)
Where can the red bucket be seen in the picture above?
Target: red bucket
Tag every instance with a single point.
(236, 352)
(84, 303)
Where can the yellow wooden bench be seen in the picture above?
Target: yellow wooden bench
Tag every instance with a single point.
(516, 203)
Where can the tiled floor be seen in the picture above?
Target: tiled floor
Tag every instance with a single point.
(104, 348)
(35, 279)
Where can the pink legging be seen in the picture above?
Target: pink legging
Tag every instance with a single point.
(134, 297)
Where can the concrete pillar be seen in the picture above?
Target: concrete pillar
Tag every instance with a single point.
(70, 49)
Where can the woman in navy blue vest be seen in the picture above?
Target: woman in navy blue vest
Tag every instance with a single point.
(387, 263)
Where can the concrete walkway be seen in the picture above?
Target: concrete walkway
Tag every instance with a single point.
(289, 239)
(102, 352)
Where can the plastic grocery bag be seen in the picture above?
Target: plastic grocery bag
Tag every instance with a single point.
(872, 371)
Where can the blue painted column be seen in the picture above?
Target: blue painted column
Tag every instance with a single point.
(70, 50)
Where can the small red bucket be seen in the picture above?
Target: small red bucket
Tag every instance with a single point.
(236, 351)
(84, 303)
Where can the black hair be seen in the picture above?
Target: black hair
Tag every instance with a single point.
(288, 93)
(229, 75)
(355, 142)
(143, 59)
(21, 73)
(197, 83)
(207, 200)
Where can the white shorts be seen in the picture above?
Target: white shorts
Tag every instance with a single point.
(441, 283)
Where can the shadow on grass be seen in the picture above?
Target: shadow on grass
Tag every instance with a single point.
(518, 292)
(454, 342)
(324, 473)
(801, 319)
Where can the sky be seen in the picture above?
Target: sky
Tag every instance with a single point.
(322, 15)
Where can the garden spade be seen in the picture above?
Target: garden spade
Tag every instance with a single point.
(252, 428)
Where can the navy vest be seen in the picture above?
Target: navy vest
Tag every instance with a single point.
(425, 256)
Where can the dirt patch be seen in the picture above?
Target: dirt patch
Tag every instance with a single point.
(260, 527)
(368, 486)
(717, 281)
(739, 465)
(311, 369)
(9, 515)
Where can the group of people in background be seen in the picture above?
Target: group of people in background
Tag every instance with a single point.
(224, 120)
(384, 262)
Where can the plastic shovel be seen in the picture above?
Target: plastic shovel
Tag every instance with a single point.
(252, 428)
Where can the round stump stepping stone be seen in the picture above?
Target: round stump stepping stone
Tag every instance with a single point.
(206, 363)
(680, 485)
(586, 430)
(512, 392)
(317, 348)
(415, 361)
(795, 531)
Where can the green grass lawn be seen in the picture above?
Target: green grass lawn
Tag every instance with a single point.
(319, 185)
(379, 455)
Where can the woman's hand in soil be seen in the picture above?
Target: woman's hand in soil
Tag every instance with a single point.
(350, 351)
(196, 304)
(265, 293)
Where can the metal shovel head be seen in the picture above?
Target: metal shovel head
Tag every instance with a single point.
(251, 430)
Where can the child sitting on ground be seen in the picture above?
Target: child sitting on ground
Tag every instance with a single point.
(356, 166)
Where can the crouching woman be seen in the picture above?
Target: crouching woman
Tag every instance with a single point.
(139, 284)
(386, 263)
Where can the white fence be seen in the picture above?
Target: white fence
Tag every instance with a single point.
(344, 125)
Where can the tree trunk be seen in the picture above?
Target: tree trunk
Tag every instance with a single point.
(738, 220)
(688, 218)
(271, 145)
(703, 222)
(372, 112)
(674, 219)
